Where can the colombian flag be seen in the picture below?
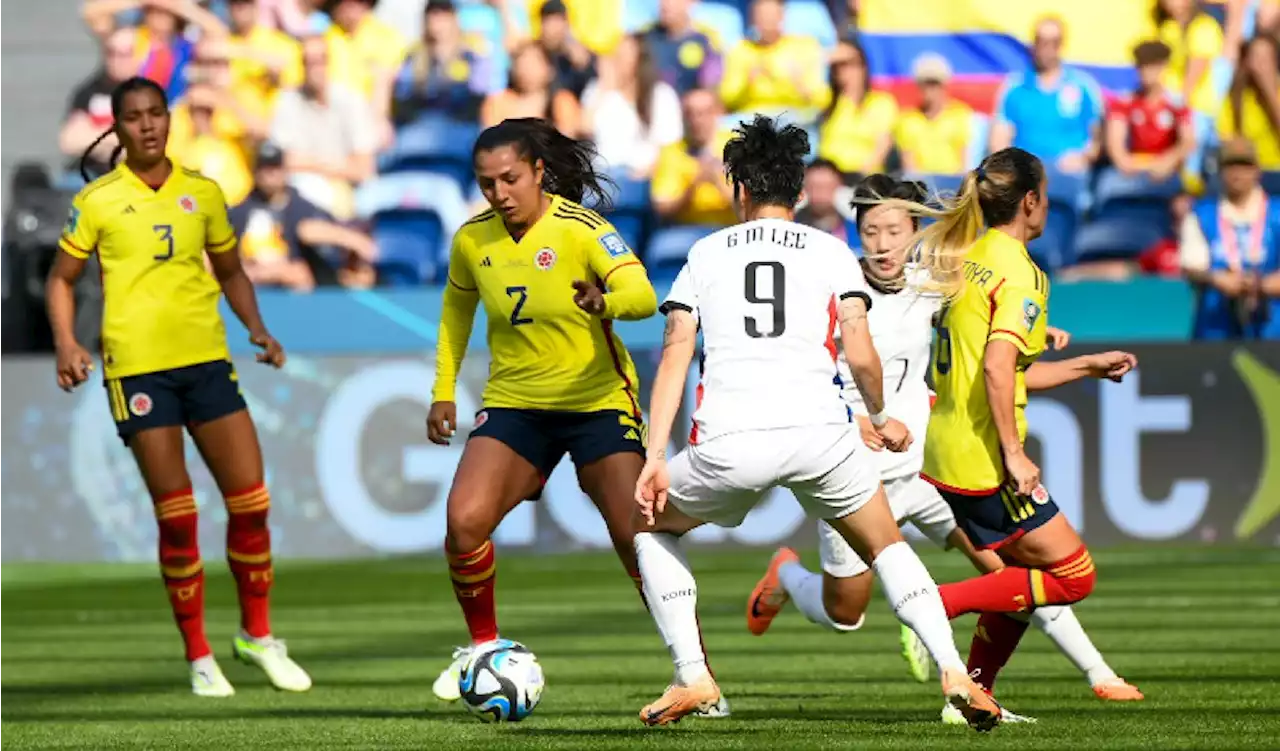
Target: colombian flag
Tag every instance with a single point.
(984, 40)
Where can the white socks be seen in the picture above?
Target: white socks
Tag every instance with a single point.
(672, 595)
(913, 596)
(805, 589)
(1059, 623)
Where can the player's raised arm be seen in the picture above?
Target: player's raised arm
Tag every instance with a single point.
(457, 316)
(1114, 365)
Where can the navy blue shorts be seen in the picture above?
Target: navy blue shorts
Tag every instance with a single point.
(993, 519)
(181, 396)
(543, 437)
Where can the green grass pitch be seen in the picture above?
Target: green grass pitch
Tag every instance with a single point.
(91, 660)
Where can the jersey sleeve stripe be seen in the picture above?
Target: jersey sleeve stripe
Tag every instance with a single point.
(574, 208)
(866, 299)
(226, 244)
(483, 216)
(71, 248)
(1013, 334)
(670, 305)
(619, 266)
(590, 224)
(459, 286)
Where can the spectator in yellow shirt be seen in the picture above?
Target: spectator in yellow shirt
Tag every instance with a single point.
(239, 116)
(1253, 109)
(934, 140)
(595, 23)
(775, 72)
(215, 156)
(856, 129)
(365, 55)
(263, 60)
(1196, 41)
(689, 185)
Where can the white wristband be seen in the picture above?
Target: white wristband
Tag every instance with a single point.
(879, 419)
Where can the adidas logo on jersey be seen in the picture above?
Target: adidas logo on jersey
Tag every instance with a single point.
(486, 263)
(129, 209)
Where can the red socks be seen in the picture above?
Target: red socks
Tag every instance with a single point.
(994, 640)
(182, 569)
(249, 557)
(1015, 589)
(473, 577)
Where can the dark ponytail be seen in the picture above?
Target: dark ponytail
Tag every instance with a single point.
(137, 83)
(568, 164)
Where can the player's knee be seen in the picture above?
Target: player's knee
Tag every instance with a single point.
(1074, 589)
(468, 525)
(845, 612)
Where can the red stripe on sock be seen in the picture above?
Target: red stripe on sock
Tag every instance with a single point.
(474, 575)
(249, 558)
(180, 552)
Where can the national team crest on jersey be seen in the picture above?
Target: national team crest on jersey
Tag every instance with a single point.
(1030, 312)
(187, 204)
(544, 259)
(481, 418)
(614, 245)
(140, 404)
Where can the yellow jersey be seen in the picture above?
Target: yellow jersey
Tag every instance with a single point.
(546, 352)
(852, 136)
(677, 168)
(936, 146)
(160, 303)
(1005, 298)
(357, 58)
(787, 75)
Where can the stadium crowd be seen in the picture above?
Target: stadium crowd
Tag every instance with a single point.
(344, 145)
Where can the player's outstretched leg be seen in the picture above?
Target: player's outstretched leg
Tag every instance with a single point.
(491, 480)
(672, 594)
(610, 482)
(874, 535)
(229, 445)
(159, 454)
(1059, 623)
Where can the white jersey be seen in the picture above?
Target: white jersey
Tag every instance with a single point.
(901, 326)
(764, 294)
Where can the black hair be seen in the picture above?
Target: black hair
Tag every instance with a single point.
(874, 187)
(767, 160)
(125, 88)
(855, 44)
(568, 164)
(822, 163)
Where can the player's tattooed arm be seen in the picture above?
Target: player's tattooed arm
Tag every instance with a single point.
(678, 344)
(860, 352)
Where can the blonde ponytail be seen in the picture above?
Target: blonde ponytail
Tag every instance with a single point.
(940, 247)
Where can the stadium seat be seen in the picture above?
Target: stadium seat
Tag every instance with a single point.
(725, 21)
(1122, 232)
(1055, 248)
(1113, 187)
(669, 247)
(632, 212)
(433, 142)
(1271, 183)
(810, 18)
(408, 243)
(402, 204)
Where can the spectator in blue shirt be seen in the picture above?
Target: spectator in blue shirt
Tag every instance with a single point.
(442, 73)
(1053, 111)
(686, 56)
(1230, 251)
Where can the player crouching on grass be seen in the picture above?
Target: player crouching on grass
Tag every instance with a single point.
(153, 224)
(901, 322)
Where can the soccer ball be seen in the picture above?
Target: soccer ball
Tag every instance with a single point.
(501, 683)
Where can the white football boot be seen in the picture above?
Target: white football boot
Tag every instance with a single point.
(952, 716)
(207, 678)
(271, 655)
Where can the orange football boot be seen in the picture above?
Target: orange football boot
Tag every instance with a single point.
(969, 698)
(768, 597)
(1117, 689)
(679, 701)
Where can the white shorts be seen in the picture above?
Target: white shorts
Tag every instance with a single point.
(911, 499)
(827, 467)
